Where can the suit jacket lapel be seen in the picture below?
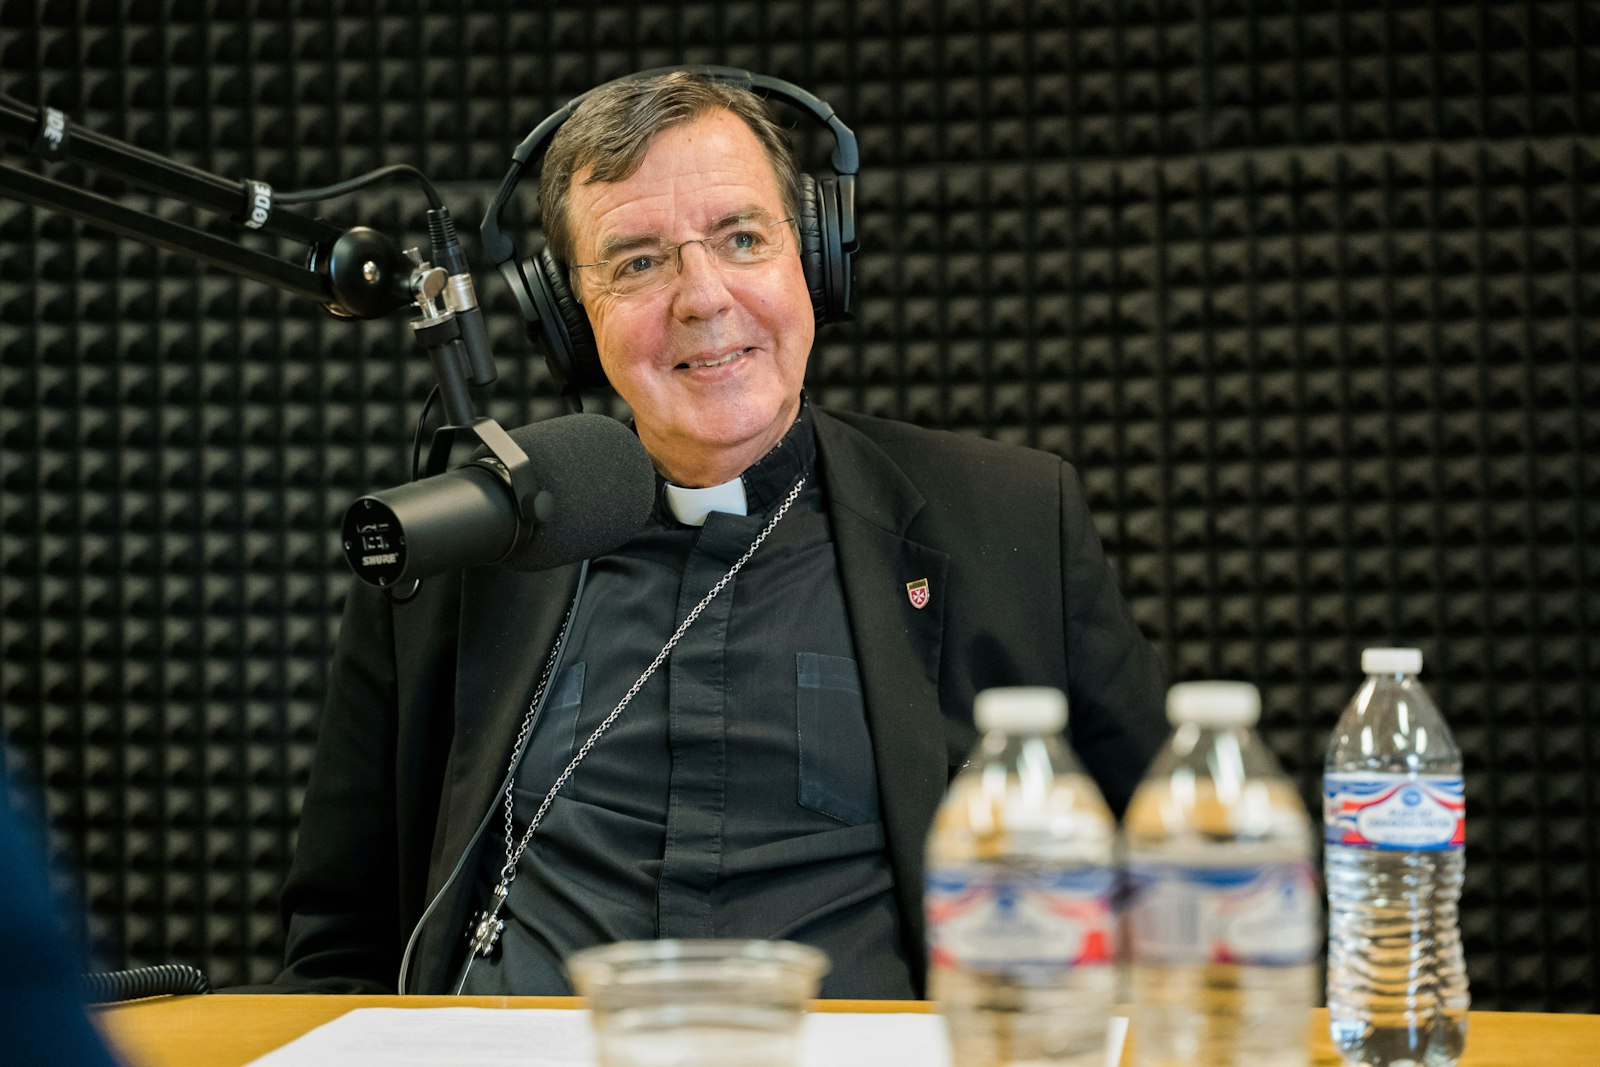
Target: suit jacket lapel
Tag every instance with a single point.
(509, 623)
(898, 645)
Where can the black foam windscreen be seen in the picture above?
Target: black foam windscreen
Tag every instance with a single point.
(601, 485)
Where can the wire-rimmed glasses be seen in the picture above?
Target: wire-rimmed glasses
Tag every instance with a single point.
(652, 265)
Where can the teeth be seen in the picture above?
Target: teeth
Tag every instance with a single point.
(729, 358)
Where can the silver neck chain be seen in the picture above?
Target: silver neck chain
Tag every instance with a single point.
(484, 933)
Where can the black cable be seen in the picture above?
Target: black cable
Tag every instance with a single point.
(327, 192)
(161, 980)
(361, 181)
(416, 435)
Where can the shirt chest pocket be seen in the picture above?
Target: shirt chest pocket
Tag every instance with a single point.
(838, 775)
(555, 740)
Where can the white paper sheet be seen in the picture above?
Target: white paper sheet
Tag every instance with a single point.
(546, 1037)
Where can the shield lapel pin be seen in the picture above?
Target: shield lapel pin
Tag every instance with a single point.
(917, 592)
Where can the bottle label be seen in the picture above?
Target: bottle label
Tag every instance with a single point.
(1261, 915)
(1394, 811)
(1020, 922)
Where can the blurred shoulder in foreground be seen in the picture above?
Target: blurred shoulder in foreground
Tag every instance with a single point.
(42, 1017)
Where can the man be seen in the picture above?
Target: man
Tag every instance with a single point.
(836, 590)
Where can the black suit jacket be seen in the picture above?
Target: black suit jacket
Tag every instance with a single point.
(426, 696)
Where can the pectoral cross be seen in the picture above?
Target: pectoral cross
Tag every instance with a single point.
(484, 934)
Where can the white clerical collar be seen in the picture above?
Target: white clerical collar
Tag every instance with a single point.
(691, 506)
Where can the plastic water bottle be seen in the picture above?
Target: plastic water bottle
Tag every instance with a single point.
(1394, 825)
(1019, 894)
(1225, 915)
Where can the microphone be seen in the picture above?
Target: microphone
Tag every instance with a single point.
(594, 488)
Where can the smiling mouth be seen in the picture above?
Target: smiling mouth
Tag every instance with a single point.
(698, 363)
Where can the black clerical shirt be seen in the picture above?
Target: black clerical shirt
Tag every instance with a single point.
(736, 794)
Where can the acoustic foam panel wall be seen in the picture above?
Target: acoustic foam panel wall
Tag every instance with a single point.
(1307, 292)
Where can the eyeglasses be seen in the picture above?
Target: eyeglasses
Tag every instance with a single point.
(740, 245)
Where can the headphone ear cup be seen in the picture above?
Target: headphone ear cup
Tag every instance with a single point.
(837, 285)
(586, 370)
(808, 220)
(563, 326)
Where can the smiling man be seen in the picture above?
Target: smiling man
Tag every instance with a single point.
(740, 723)
(712, 363)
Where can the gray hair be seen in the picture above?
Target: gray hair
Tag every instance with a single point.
(611, 131)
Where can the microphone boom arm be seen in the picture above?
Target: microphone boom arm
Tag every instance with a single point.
(355, 273)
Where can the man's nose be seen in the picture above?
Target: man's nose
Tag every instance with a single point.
(700, 290)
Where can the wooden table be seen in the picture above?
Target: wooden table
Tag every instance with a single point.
(229, 1031)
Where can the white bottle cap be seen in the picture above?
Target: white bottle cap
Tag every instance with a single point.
(1391, 661)
(1214, 704)
(1030, 709)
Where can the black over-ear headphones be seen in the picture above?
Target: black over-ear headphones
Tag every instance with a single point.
(826, 220)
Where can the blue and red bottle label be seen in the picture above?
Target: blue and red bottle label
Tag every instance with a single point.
(1019, 921)
(1258, 915)
(1394, 812)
